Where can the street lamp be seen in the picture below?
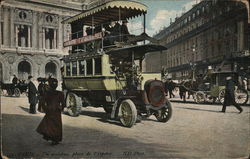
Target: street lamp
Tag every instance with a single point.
(193, 65)
(192, 62)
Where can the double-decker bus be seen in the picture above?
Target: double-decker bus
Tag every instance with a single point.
(104, 66)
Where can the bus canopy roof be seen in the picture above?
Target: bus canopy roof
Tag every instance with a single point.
(138, 50)
(114, 10)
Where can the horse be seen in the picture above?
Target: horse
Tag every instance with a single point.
(187, 86)
(169, 87)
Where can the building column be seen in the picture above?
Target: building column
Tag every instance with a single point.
(23, 40)
(60, 34)
(40, 38)
(1, 26)
(29, 37)
(12, 28)
(16, 28)
(55, 39)
(47, 41)
(35, 31)
(6, 28)
(43, 38)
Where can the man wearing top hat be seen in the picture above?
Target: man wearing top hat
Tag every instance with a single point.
(229, 98)
(32, 91)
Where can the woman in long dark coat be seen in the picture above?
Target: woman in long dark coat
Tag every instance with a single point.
(51, 125)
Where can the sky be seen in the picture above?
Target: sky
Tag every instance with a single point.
(159, 13)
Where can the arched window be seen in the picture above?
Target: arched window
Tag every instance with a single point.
(50, 69)
(24, 70)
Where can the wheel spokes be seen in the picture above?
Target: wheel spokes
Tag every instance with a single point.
(126, 113)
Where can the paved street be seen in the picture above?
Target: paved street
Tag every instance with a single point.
(194, 131)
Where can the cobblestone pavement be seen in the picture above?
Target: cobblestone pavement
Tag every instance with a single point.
(194, 131)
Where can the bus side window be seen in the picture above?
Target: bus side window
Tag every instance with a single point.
(67, 69)
(89, 67)
(74, 68)
(98, 66)
(82, 68)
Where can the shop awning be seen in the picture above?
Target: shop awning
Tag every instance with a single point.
(113, 10)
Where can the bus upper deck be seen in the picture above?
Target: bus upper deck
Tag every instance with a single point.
(105, 26)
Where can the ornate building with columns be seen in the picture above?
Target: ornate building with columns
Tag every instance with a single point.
(32, 35)
(213, 33)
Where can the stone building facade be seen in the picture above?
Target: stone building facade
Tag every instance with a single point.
(213, 33)
(32, 35)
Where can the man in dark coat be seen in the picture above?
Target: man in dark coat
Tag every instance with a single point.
(42, 88)
(182, 92)
(124, 30)
(14, 80)
(229, 98)
(32, 92)
(116, 32)
(51, 125)
(166, 87)
(171, 88)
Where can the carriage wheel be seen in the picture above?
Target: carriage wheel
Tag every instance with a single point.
(210, 99)
(200, 97)
(73, 104)
(128, 113)
(17, 92)
(165, 113)
(221, 96)
(214, 100)
(241, 96)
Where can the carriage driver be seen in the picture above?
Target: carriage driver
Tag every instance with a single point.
(14, 80)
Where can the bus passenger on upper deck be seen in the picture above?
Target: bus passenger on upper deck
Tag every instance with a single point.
(109, 33)
(116, 31)
(89, 31)
(108, 28)
(98, 29)
(124, 30)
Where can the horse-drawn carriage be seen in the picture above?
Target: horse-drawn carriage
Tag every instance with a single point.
(210, 88)
(13, 89)
(214, 89)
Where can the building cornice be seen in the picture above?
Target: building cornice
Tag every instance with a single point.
(60, 11)
(18, 51)
(65, 5)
